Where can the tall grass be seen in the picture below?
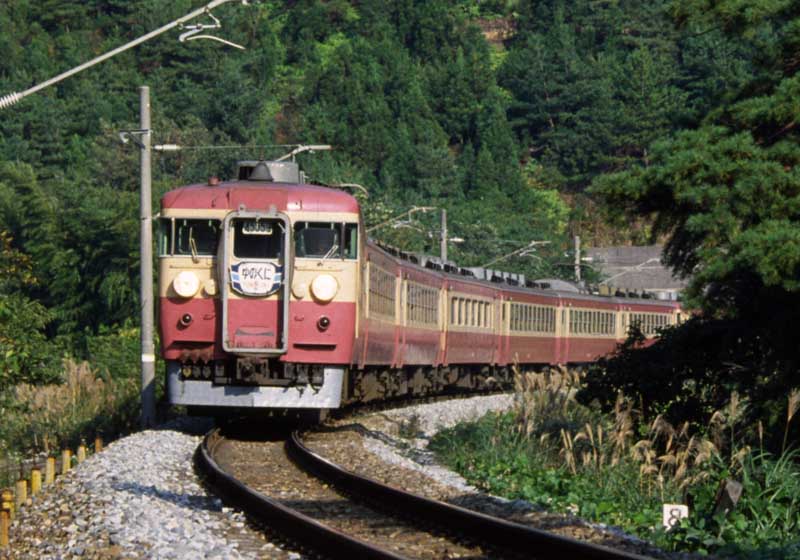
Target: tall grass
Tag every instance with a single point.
(620, 467)
(41, 419)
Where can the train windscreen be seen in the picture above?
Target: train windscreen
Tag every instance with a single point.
(257, 238)
(325, 240)
(188, 237)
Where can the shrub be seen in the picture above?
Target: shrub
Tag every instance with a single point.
(115, 352)
(25, 354)
(692, 370)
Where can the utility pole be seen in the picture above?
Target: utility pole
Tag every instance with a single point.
(146, 263)
(444, 236)
(578, 259)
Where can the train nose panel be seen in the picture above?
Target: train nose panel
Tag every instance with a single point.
(254, 324)
(256, 291)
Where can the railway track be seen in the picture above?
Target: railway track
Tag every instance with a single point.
(287, 487)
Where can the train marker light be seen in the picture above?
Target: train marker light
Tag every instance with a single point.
(186, 319)
(324, 288)
(186, 284)
(323, 323)
(300, 290)
(210, 287)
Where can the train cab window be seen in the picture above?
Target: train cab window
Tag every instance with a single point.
(325, 240)
(196, 237)
(257, 239)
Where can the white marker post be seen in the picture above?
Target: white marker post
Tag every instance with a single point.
(672, 515)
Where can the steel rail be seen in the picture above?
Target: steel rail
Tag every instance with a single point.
(485, 528)
(303, 529)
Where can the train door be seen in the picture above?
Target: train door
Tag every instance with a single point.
(563, 332)
(497, 327)
(256, 268)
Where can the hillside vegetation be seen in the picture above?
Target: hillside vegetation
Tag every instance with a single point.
(621, 121)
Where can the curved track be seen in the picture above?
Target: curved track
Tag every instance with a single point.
(491, 535)
(272, 512)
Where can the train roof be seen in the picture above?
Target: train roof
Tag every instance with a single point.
(260, 194)
(455, 274)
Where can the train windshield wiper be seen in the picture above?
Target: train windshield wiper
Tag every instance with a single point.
(330, 252)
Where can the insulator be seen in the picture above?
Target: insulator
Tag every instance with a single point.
(9, 100)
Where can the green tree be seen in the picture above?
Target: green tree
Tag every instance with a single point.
(25, 354)
(726, 197)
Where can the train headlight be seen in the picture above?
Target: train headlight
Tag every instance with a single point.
(186, 284)
(324, 288)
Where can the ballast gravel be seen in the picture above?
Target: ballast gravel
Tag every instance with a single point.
(138, 498)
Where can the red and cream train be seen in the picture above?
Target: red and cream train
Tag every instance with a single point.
(271, 296)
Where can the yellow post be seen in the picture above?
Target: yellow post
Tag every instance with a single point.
(21, 494)
(36, 481)
(5, 521)
(7, 503)
(66, 461)
(81, 453)
(50, 470)
(98, 444)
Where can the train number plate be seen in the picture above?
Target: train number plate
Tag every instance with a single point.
(256, 227)
(256, 278)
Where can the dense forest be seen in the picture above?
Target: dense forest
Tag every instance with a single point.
(621, 121)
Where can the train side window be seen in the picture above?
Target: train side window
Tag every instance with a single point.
(421, 304)
(350, 241)
(165, 236)
(381, 291)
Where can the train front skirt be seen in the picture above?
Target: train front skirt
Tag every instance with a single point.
(190, 392)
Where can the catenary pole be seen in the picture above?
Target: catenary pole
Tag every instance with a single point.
(146, 263)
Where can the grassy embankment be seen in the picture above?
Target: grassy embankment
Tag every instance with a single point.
(96, 397)
(620, 468)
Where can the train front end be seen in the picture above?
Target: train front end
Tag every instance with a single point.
(257, 281)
